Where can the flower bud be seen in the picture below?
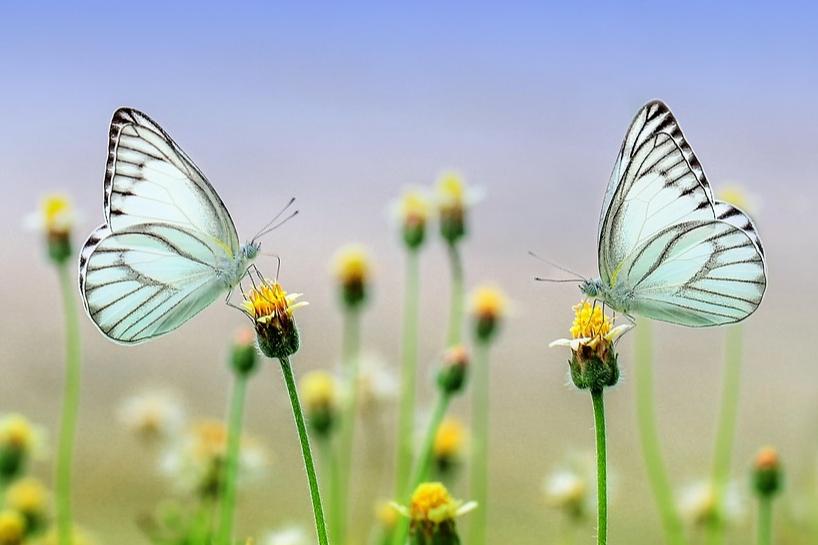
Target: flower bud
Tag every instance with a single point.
(452, 204)
(243, 354)
(271, 309)
(12, 527)
(767, 472)
(452, 376)
(352, 269)
(432, 512)
(55, 219)
(319, 393)
(488, 308)
(413, 214)
(448, 445)
(29, 497)
(17, 442)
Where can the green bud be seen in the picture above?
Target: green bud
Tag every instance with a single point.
(278, 342)
(452, 376)
(12, 462)
(244, 356)
(767, 473)
(453, 224)
(414, 233)
(594, 366)
(59, 247)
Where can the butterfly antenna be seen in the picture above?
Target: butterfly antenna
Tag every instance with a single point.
(556, 266)
(275, 226)
(266, 228)
(557, 280)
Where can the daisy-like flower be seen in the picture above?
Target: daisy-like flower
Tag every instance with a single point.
(432, 513)
(697, 504)
(271, 309)
(488, 307)
(593, 361)
(55, 219)
(412, 212)
(738, 196)
(152, 415)
(454, 198)
(196, 463)
(29, 497)
(20, 440)
(449, 444)
(353, 270)
(12, 527)
(287, 535)
(319, 394)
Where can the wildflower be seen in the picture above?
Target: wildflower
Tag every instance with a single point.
(12, 527)
(55, 219)
(319, 391)
(271, 309)
(353, 271)
(452, 376)
(152, 415)
(697, 503)
(767, 472)
(243, 355)
(449, 444)
(432, 512)
(593, 361)
(19, 441)
(412, 211)
(738, 196)
(197, 461)
(488, 308)
(287, 535)
(29, 497)
(453, 200)
(387, 515)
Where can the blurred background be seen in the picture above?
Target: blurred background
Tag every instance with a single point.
(342, 107)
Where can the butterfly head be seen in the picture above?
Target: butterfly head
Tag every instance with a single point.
(591, 288)
(250, 250)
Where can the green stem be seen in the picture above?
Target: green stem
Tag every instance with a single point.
(306, 451)
(765, 521)
(601, 467)
(350, 360)
(651, 449)
(423, 463)
(406, 416)
(331, 466)
(231, 465)
(70, 407)
(457, 297)
(726, 431)
(479, 465)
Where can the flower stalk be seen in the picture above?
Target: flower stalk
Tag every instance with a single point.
(455, 331)
(601, 466)
(350, 358)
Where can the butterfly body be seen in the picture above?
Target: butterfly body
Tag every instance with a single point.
(667, 249)
(168, 247)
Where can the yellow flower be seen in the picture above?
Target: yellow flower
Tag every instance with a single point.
(738, 196)
(319, 390)
(29, 497)
(412, 212)
(352, 268)
(56, 215)
(489, 306)
(449, 439)
(12, 527)
(17, 432)
(453, 200)
(451, 190)
(431, 502)
(271, 309)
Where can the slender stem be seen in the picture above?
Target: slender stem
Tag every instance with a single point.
(231, 465)
(70, 407)
(406, 416)
(479, 462)
(423, 463)
(306, 451)
(726, 431)
(765, 521)
(350, 359)
(651, 449)
(601, 467)
(331, 465)
(457, 297)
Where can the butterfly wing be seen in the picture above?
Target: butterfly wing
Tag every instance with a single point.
(161, 256)
(697, 273)
(146, 280)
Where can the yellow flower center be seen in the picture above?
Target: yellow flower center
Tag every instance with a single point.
(431, 502)
(56, 211)
(27, 496)
(414, 207)
(387, 515)
(318, 389)
(269, 303)
(590, 321)
(488, 302)
(12, 527)
(210, 439)
(352, 265)
(449, 438)
(16, 431)
(451, 189)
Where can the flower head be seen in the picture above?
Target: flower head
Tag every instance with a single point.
(593, 361)
(319, 392)
(197, 461)
(767, 472)
(12, 527)
(697, 503)
(271, 309)
(453, 374)
(453, 200)
(489, 306)
(353, 270)
(412, 211)
(20, 440)
(449, 443)
(738, 196)
(55, 219)
(432, 512)
(243, 354)
(30, 498)
(152, 415)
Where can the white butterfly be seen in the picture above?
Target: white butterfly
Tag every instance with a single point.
(668, 250)
(168, 247)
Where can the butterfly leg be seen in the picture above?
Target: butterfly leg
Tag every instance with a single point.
(229, 304)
